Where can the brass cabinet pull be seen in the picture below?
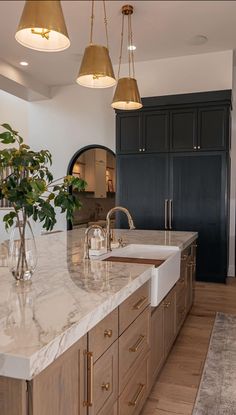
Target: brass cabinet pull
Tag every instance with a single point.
(105, 386)
(89, 356)
(140, 303)
(137, 395)
(108, 333)
(136, 346)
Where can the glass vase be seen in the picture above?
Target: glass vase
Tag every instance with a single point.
(22, 259)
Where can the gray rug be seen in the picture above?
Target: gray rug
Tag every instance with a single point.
(217, 391)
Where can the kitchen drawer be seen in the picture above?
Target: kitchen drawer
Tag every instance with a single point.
(103, 334)
(180, 309)
(133, 344)
(134, 395)
(105, 382)
(133, 306)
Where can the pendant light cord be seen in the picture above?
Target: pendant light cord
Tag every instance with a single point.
(121, 45)
(105, 22)
(92, 21)
(131, 44)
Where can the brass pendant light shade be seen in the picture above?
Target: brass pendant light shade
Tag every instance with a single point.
(96, 68)
(127, 95)
(42, 26)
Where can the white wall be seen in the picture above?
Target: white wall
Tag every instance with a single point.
(13, 111)
(74, 118)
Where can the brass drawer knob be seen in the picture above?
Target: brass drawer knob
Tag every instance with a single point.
(108, 333)
(105, 386)
(167, 305)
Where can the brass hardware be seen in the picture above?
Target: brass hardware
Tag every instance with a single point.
(140, 303)
(198, 147)
(42, 26)
(136, 397)
(105, 386)
(195, 147)
(170, 213)
(143, 149)
(167, 305)
(127, 9)
(89, 356)
(108, 333)
(108, 221)
(166, 206)
(136, 346)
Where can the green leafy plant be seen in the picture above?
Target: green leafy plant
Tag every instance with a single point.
(30, 187)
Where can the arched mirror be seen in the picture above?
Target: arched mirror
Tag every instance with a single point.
(97, 166)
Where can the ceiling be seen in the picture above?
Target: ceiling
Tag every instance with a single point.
(161, 29)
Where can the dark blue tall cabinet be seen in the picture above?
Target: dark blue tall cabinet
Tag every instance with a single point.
(173, 171)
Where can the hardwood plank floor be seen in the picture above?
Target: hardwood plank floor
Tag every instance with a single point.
(176, 387)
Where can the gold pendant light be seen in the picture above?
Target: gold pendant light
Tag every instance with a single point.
(96, 68)
(126, 95)
(42, 26)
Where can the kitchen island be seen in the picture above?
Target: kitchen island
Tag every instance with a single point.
(47, 327)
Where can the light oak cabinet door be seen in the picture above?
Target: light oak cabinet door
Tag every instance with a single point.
(59, 389)
(13, 396)
(169, 305)
(157, 342)
(105, 382)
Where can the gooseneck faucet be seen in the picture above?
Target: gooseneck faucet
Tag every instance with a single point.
(108, 219)
(86, 239)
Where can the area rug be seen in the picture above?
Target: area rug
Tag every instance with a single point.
(217, 390)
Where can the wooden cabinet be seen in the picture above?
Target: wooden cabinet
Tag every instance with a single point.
(59, 389)
(13, 396)
(105, 382)
(199, 191)
(128, 131)
(131, 308)
(143, 189)
(169, 306)
(183, 129)
(157, 342)
(213, 131)
(155, 131)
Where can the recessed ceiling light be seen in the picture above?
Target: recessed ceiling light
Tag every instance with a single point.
(23, 63)
(131, 47)
(198, 40)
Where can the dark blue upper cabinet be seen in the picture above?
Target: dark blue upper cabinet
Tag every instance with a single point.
(213, 128)
(183, 130)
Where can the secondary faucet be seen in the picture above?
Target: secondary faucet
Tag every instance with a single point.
(86, 240)
(108, 219)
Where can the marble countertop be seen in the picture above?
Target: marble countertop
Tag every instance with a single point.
(68, 296)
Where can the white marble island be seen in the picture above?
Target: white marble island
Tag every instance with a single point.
(68, 297)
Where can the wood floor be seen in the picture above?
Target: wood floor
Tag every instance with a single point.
(176, 387)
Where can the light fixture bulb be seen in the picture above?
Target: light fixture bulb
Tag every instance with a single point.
(42, 26)
(131, 47)
(23, 63)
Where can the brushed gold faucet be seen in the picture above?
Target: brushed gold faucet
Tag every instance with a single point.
(86, 239)
(108, 219)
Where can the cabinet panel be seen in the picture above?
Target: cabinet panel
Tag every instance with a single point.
(105, 382)
(133, 344)
(212, 128)
(13, 396)
(143, 188)
(156, 131)
(59, 389)
(128, 133)
(157, 342)
(103, 334)
(169, 320)
(183, 130)
(199, 193)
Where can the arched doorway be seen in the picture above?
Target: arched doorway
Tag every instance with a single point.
(95, 164)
